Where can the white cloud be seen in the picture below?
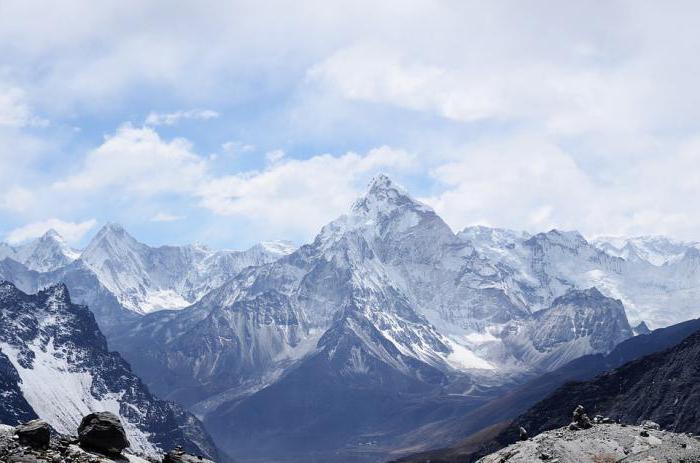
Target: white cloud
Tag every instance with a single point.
(530, 183)
(297, 197)
(15, 111)
(608, 96)
(274, 156)
(165, 217)
(291, 195)
(136, 160)
(71, 231)
(557, 98)
(173, 118)
(236, 147)
(524, 183)
(17, 199)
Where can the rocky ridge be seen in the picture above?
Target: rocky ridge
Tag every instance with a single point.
(100, 438)
(601, 441)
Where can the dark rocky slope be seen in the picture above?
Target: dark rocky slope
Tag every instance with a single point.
(662, 387)
(54, 363)
(483, 425)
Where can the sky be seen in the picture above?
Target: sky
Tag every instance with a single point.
(232, 122)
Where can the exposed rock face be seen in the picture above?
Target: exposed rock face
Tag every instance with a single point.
(581, 322)
(102, 431)
(35, 433)
(600, 444)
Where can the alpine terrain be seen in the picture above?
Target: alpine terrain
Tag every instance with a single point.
(386, 326)
(55, 365)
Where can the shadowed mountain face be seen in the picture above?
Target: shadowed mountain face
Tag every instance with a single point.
(485, 425)
(54, 364)
(662, 387)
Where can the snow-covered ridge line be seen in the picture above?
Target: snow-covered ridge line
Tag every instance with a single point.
(142, 278)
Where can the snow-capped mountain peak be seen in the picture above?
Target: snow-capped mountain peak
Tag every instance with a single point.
(46, 253)
(656, 250)
(112, 235)
(384, 196)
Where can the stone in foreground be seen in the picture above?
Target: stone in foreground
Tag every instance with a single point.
(102, 431)
(35, 433)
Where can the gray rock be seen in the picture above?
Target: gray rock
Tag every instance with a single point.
(180, 456)
(648, 424)
(523, 433)
(102, 431)
(35, 433)
(613, 443)
(581, 420)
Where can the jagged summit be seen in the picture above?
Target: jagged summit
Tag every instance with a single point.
(589, 295)
(58, 292)
(52, 234)
(111, 229)
(383, 195)
(44, 254)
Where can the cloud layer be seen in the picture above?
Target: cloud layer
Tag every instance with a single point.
(71, 231)
(520, 114)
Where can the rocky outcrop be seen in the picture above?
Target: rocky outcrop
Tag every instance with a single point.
(101, 440)
(102, 431)
(581, 420)
(599, 444)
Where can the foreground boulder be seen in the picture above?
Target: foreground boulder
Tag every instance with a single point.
(102, 431)
(35, 433)
(179, 456)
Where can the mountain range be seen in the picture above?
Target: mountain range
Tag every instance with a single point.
(387, 322)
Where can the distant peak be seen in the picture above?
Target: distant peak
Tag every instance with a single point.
(113, 227)
(112, 234)
(278, 247)
(381, 182)
(582, 296)
(383, 194)
(567, 238)
(52, 234)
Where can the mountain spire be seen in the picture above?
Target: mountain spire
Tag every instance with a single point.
(384, 195)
